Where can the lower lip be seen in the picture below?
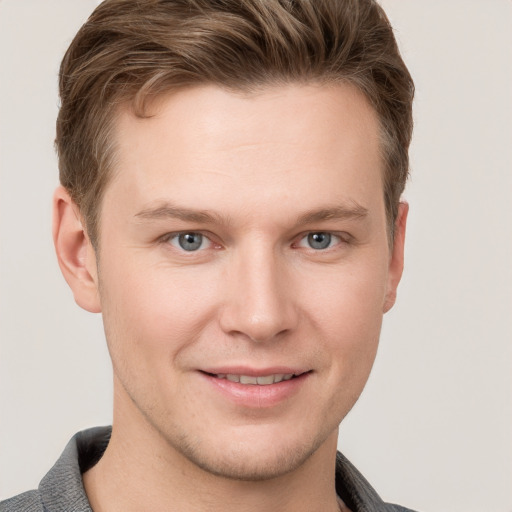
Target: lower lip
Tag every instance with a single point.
(256, 396)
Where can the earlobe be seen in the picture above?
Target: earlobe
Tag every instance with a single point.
(396, 263)
(75, 254)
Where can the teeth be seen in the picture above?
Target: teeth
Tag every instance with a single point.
(263, 380)
(245, 379)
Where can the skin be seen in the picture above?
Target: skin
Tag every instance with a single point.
(269, 169)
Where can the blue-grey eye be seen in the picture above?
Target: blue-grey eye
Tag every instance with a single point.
(319, 240)
(190, 241)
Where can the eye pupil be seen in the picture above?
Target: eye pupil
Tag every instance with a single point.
(190, 241)
(319, 240)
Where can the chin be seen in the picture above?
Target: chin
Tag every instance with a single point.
(260, 460)
(245, 465)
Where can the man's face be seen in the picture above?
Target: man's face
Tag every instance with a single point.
(244, 268)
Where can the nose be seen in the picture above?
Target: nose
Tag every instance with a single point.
(259, 302)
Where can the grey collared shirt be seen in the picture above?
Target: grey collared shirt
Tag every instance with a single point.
(62, 490)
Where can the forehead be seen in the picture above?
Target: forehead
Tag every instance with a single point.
(236, 117)
(279, 140)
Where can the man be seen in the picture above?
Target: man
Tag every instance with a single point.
(231, 178)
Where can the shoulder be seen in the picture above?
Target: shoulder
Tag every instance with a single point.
(29, 501)
(61, 489)
(357, 493)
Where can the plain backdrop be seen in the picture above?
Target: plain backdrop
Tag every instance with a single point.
(433, 427)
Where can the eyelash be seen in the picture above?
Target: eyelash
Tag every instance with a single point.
(170, 237)
(332, 237)
(337, 238)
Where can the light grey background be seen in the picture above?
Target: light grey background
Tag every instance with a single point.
(433, 427)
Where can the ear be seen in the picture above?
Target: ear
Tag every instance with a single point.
(75, 254)
(396, 262)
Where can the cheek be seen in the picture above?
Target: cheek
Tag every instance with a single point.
(349, 314)
(150, 313)
(351, 297)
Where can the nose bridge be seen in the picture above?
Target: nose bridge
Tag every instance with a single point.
(259, 304)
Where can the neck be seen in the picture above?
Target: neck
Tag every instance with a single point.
(141, 471)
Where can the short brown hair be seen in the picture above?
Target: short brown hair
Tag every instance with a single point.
(134, 50)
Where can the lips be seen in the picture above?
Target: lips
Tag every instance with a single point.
(256, 389)
(256, 380)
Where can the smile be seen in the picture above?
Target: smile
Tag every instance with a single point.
(260, 380)
(256, 389)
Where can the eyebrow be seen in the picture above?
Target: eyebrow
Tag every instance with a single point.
(339, 212)
(169, 211)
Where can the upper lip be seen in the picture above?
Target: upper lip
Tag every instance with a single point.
(254, 372)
